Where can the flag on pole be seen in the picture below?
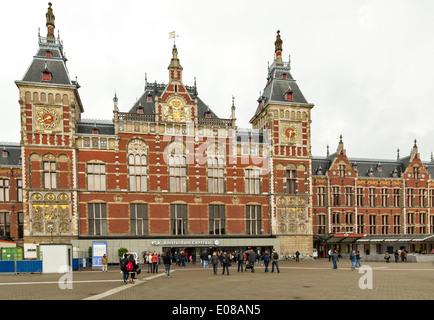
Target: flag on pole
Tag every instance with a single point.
(171, 34)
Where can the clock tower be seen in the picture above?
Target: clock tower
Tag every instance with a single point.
(50, 107)
(285, 114)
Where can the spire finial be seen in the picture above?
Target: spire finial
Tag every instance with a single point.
(50, 23)
(278, 48)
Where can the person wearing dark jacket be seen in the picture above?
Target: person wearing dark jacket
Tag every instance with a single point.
(226, 260)
(167, 260)
(252, 259)
(214, 261)
(240, 259)
(123, 264)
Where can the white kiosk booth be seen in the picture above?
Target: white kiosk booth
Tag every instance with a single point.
(56, 257)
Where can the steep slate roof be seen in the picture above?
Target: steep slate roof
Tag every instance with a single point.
(156, 90)
(55, 64)
(13, 156)
(105, 127)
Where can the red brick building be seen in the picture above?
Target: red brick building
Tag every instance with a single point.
(169, 173)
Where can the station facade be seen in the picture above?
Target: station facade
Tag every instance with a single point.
(169, 173)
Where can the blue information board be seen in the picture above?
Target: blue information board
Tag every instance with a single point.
(98, 250)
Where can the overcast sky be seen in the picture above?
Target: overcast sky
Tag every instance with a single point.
(365, 65)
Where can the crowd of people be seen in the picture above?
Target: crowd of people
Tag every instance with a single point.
(244, 260)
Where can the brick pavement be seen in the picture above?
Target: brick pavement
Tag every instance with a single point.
(304, 280)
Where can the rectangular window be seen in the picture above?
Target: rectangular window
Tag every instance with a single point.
(384, 197)
(335, 196)
(423, 198)
(20, 217)
(342, 169)
(216, 175)
(372, 224)
(385, 224)
(97, 219)
(372, 198)
(138, 172)
(322, 225)
(96, 177)
(4, 190)
(177, 174)
(321, 197)
(252, 181)
(178, 219)
(410, 197)
(360, 197)
(5, 224)
(49, 174)
(19, 190)
(396, 197)
(349, 196)
(360, 224)
(253, 219)
(139, 219)
(291, 181)
(217, 219)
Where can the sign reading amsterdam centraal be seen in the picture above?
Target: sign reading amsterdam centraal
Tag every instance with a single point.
(186, 243)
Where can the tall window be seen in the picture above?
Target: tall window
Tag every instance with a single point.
(372, 198)
(49, 167)
(396, 224)
(217, 219)
(138, 172)
(139, 219)
(372, 224)
(360, 197)
(349, 196)
(4, 190)
(252, 180)
(177, 174)
(384, 224)
(322, 225)
(19, 190)
(396, 197)
(291, 181)
(97, 218)
(416, 172)
(138, 165)
(360, 224)
(423, 198)
(216, 174)
(423, 222)
(178, 219)
(253, 219)
(20, 217)
(321, 196)
(384, 197)
(410, 197)
(342, 169)
(96, 176)
(335, 196)
(5, 224)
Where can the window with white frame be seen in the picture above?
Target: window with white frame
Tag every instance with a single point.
(178, 219)
(96, 176)
(138, 172)
(253, 219)
(49, 172)
(217, 219)
(139, 219)
(215, 174)
(97, 219)
(4, 190)
(5, 224)
(252, 180)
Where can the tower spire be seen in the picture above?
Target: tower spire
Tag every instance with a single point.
(50, 23)
(278, 49)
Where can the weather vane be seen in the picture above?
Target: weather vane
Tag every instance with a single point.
(172, 35)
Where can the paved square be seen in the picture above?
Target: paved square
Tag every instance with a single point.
(304, 280)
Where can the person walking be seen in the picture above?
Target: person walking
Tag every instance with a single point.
(154, 262)
(131, 267)
(330, 254)
(149, 261)
(204, 259)
(297, 256)
(123, 265)
(240, 259)
(266, 260)
(104, 262)
(358, 259)
(214, 261)
(167, 260)
(387, 256)
(252, 259)
(274, 261)
(353, 260)
(335, 259)
(396, 256)
(226, 260)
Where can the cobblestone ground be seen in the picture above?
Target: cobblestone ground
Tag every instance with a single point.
(304, 280)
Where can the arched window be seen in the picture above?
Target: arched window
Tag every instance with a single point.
(138, 165)
(177, 162)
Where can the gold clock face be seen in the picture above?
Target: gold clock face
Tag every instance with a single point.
(47, 118)
(289, 133)
(175, 111)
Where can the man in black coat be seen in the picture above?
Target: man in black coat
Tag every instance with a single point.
(252, 259)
